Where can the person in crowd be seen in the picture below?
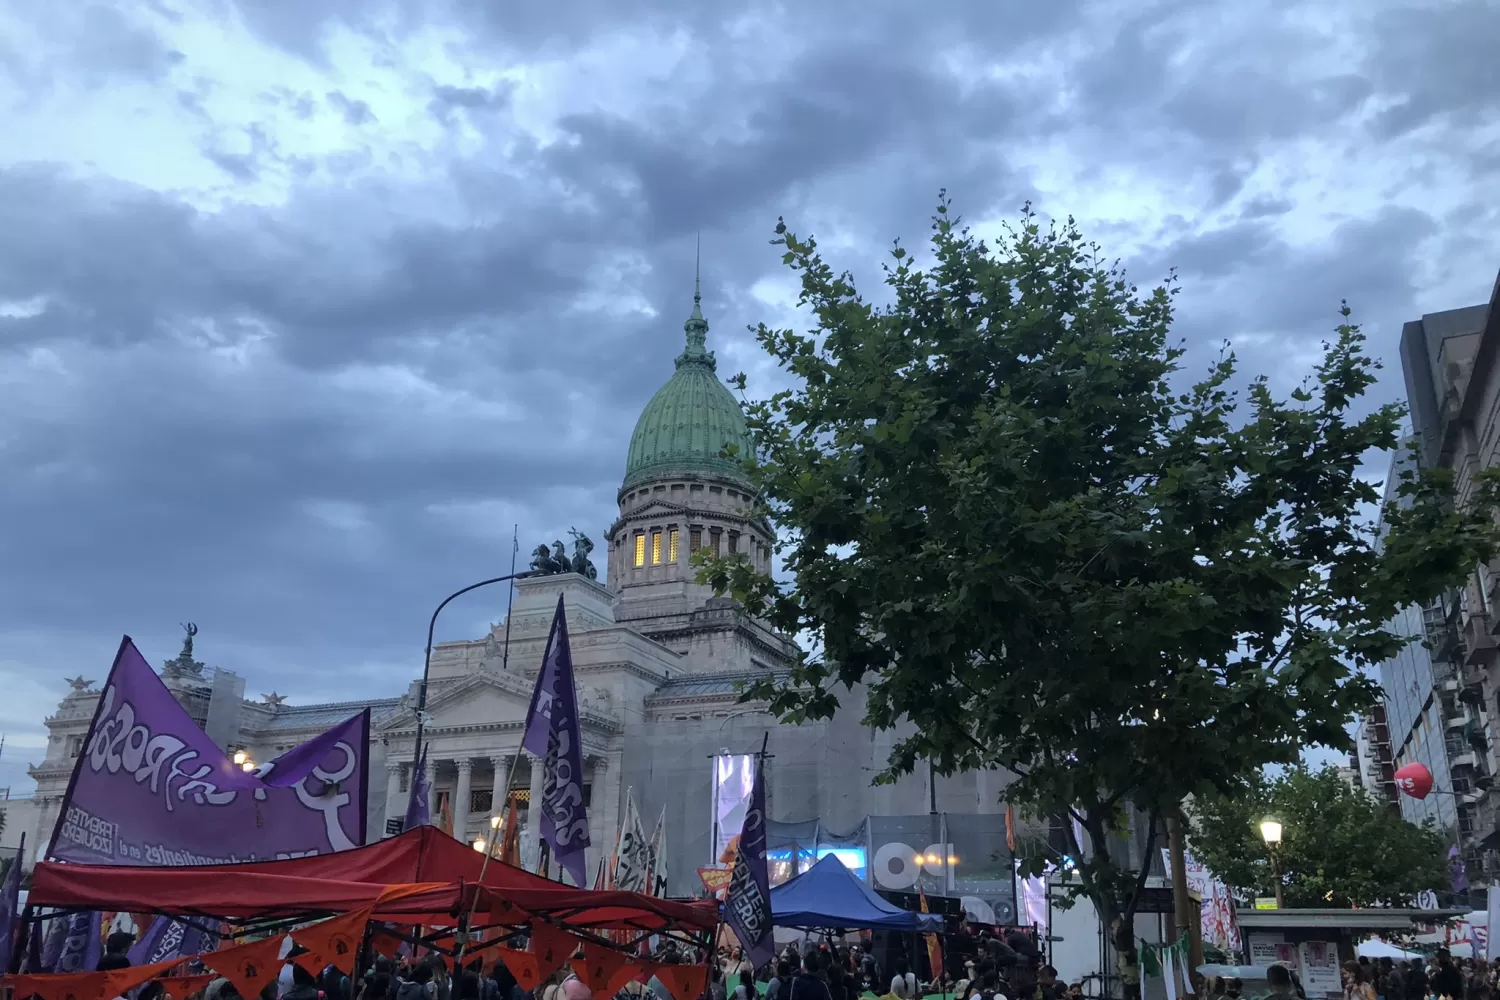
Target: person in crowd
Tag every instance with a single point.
(991, 987)
(304, 986)
(808, 984)
(904, 985)
(716, 983)
(779, 981)
(1357, 985)
(1448, 979)
(417, 985)
(745, 988)
(1279, 978)
(1047, 987)
(506, 987)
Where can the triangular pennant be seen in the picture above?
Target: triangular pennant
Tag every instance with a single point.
(552, 947)
(59, 986)
(332, 942)
(599, 967)
(684, 982)
(522, 965)
(385, 943)
(121, 981)
(250, 966)
(186, 986)
(633, 970)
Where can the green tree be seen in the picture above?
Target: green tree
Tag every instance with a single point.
(1340, 846)
(1014, 536)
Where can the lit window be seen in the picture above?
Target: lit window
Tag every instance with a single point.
(640, 550)
(656, 548)
(672, 545)
(695, 539)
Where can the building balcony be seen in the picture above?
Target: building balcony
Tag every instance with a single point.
(1459, 719)
(1479, 642)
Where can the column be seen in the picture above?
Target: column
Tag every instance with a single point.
(431, 774)
(500, 786)
(461, 798)
(604, 802)
(394, 804)
(534, 811)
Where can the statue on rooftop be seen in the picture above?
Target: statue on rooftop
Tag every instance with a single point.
(79, 684)
(580, 563)
(547, 561)
(187, 643)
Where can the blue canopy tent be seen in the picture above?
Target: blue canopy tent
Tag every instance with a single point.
(829, 896)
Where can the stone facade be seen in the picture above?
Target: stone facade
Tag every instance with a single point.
(659, 661)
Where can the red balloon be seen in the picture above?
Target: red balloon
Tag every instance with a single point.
(1415, 780)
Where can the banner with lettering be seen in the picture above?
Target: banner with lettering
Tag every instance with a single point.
(150, 788)
(747, 907)
(552, 733)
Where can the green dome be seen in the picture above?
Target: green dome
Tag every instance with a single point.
(685, 427)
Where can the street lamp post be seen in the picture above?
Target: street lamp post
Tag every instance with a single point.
(1270, 832)
(416, 754)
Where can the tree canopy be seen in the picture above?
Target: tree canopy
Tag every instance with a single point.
(1340, 845)
(1018, 536)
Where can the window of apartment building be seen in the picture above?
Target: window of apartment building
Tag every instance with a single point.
(1482, 578)
(672, 545)
(640, 549)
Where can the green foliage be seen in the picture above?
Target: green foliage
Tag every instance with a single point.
(1340, 846)
(1014, 538)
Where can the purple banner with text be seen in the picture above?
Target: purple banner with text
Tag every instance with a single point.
(150, 788)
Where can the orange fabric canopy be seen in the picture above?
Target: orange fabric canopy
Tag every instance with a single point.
(441, 873)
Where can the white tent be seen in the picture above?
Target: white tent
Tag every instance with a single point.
(1376, 948)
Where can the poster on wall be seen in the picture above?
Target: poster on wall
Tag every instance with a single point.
(1320, 969)
(1270, 949)
(733, 780)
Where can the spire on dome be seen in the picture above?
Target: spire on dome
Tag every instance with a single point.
(696, 326)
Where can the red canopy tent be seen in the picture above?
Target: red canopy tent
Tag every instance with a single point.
(443, 876)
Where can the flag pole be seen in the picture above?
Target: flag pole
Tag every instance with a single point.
(510, 603)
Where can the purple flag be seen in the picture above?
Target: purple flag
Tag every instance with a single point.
(165, 940)
(10, 896)
(552, 734)
(152, 789)
(1456, 868)
(418, 804)
(747, 906)
(78, 943)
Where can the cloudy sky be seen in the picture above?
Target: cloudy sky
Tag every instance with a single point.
(304, 305)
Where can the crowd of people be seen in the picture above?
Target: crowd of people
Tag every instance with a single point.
(1418, 979)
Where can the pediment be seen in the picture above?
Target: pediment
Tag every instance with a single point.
(655, 505)
(491, 699)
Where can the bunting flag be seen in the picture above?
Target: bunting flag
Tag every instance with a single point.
(684, 982)
(934, 943)
(599, 877)
(552, 734)
(186, 986)
(332, 942)
(633, 869)
(747, 908)
(658, 855)
(10, 897)
(522, 965)
(87, 985)
(251, 966)
(603, 970)
(167, 939)
(418, 800)
(1010, 827)
(445, 814)
(510, 841)
(551, 946)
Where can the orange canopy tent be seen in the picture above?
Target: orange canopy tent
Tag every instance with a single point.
(442, 874)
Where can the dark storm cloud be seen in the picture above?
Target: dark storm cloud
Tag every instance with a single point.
(302, 419)
(92, 44)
